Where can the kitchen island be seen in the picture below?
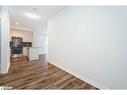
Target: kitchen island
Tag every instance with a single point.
(34, 53)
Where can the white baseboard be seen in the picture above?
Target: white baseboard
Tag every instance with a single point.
(5, 71)
(81, 77)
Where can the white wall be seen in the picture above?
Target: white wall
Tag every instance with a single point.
(39, 36)
(5, 50)
(0, 38)
(91, 43)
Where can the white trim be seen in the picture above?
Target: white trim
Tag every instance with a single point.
(5, 71)
(81, 77)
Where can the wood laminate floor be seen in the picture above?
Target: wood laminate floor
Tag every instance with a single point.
(39, 74)
(19, 60)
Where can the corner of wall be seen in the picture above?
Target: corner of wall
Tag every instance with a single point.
(4, 71)
(4, 38)
(80, 76)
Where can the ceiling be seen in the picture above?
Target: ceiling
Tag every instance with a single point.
(44, 12)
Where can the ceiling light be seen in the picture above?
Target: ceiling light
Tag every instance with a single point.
(32, 15)
(16, 23)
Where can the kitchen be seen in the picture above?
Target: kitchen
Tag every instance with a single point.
(22, 44)
(30, 33)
